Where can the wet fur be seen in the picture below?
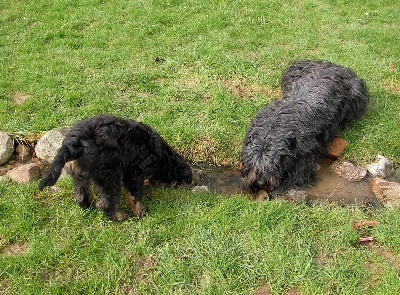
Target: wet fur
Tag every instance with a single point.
(285, 139)
(112, 153)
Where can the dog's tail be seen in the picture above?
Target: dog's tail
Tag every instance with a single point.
(63, 156)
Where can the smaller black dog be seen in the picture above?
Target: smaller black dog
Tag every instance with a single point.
(111, 151)
(285, 139)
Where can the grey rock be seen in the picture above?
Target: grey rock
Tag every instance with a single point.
(349, 170)
(24, 173)
(382, 168)
(6, 147)
(200, 189)
(48, 145)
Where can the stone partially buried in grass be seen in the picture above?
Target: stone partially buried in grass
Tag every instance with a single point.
(387, 192)
(24, 173)
(48, 145)
(6, 147)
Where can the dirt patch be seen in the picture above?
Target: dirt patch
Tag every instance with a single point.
(263, 290)
(376, 271)
(203, 149)
(392, 67)
(144, 266)
(321, 259)
(15, 249)
(266, 290)
(392, 86)
(19, 97)
(188, 83)
(238, 87)
(386, 253)
(293, 291)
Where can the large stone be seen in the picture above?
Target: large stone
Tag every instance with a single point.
(387, 192)
(349, 170)
(382, 168)
(48, 145)
(24, 173)
(6, 147)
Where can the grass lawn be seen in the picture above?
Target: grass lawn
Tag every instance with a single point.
(197, 71)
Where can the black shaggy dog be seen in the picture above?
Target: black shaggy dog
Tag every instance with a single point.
(286, 139)
(111, 152)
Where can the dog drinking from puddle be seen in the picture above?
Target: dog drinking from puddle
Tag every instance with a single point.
(112, 153)
(285, 140)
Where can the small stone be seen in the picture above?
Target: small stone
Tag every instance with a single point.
(54, 188)
(336, 147)
(48, 145)
(6, 147)
(23, 152)
(387, 192)
(24, 173)
(382, 168)
(349, 170)
(200, 189)
(296, 195)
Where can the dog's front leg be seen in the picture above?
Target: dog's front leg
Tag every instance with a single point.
(133, 197)
(109, 191)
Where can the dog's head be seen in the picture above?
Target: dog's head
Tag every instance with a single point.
(257, 179)
(266, 166)
(181, 173)
(174, 170)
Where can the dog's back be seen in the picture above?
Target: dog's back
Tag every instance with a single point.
(337, 87)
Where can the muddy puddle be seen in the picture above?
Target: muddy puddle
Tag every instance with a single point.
(329, 187)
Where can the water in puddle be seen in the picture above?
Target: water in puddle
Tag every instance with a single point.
(329, 187)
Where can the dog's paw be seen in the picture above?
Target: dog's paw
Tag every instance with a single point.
(119, 215)
(139, 210)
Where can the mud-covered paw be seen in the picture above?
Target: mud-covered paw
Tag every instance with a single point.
(119, 215)
(139, 209)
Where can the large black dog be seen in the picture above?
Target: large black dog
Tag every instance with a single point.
(286, 139)
(111, 152)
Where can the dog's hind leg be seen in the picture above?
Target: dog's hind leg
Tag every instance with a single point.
(109, 190)
(133, 197)
(81, 182)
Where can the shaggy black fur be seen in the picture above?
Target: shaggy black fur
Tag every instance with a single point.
(111, 151)
(285, 139)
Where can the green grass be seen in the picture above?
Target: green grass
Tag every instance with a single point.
(197, 71)
(191, 244)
